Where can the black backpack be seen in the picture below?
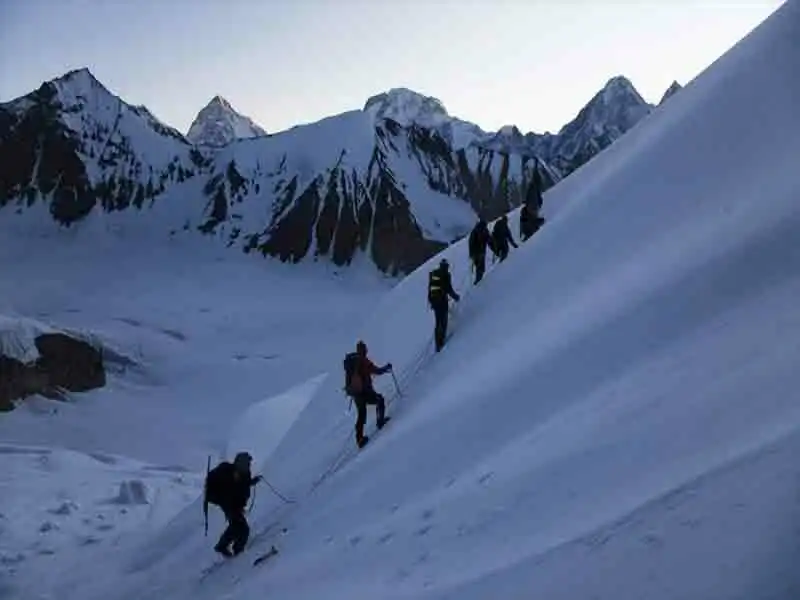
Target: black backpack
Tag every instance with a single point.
(218, 483)
(352, 385)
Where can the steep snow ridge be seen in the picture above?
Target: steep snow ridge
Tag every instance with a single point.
(219, 124)
(604, 408)
(306, 148)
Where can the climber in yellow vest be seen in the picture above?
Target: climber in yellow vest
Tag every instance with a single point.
(440, 286)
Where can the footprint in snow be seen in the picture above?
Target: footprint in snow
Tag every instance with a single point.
(486, 477)
(428, 514)
(355, 540)
(385, 537)
(67, 508)
(424, 530)
(47, 526)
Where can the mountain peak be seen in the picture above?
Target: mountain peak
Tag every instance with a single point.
(617, 88)
(671, 91)
(220, 101)
(219, 124)
(79, 81)
(407, 107)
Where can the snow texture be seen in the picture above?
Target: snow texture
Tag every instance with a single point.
(611, 418)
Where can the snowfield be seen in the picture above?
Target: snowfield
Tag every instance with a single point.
(614, 416)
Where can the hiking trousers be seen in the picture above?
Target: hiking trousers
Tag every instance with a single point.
(479, 261)
(237, 532)
(361, 401)
(440, 328)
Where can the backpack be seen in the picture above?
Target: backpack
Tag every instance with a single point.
(352, 379)
(217, 483)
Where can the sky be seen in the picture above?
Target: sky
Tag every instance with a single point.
(531, 63)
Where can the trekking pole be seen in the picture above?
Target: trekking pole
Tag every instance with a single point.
(205, 495)
(252, 500)
(396, 385)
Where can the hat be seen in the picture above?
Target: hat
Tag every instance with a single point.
(243, 460)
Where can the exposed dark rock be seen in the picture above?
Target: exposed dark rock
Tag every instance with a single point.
(65, 363)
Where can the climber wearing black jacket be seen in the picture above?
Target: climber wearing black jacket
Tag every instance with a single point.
(479, 241)
(228, 486)
(501, 238)
(440, 286)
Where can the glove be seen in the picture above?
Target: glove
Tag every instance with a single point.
(257, 479)
(388, 366)
(458, 298)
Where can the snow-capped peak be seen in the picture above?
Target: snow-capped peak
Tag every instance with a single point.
(407, 107)
(219, 124)
(619, 89)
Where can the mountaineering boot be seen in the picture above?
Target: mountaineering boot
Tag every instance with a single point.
(362, 441)
(383, 421)
(223, 550)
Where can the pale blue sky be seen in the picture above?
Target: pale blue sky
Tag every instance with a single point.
(532, 63)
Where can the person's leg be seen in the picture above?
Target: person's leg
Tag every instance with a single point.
(480, 267)
(241, 532)
(228, 535)
(361, 419)
(440, 331)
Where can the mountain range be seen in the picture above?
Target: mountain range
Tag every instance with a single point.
(396, 181)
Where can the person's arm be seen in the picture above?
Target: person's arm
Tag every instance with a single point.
(374, 370)
(449, 287)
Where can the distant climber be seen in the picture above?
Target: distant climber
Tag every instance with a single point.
(440, 286)
(479, 241)
(228, 486)
(534, 196)
(529, 221)
(501, 238)
(359, 370)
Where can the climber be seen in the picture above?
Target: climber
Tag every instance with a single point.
(479, 240)
(501, 238)
(359, 370)
(529, 222)
(440, 286)
(228, 486)
(534, 196)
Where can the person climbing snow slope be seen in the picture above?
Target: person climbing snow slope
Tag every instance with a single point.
(228, 486)
(440, 286)
(479, 241)
(501, 238)
(359, 370)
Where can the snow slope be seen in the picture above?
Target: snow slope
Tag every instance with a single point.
(614, 416)
(62, 510)
(611, 418)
